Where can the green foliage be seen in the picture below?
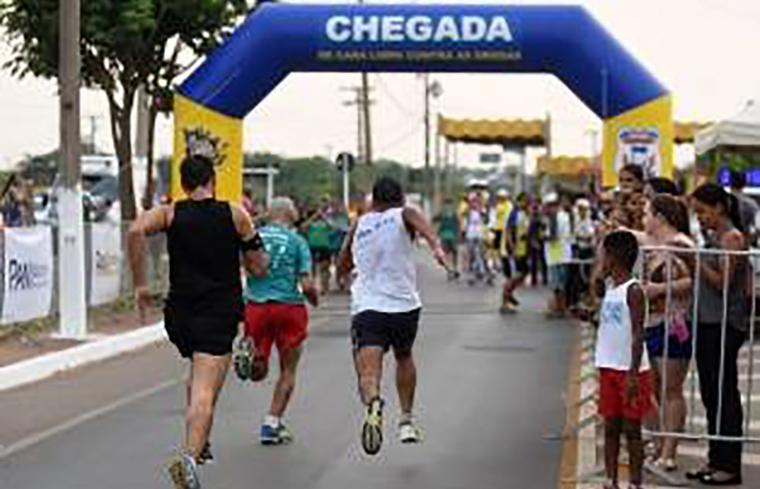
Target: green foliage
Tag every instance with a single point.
(125, 44)
(41, 169)
(732, 157)
(123, 41)
(309, 179)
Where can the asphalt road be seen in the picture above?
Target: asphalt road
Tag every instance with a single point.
(490, 395)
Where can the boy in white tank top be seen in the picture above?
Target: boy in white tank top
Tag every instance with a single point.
(624, 376)
(385, 303)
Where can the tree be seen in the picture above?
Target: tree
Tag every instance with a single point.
(310, 179)
(40, 169)
(125, 44)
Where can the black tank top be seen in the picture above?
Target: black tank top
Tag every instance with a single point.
(204, 258)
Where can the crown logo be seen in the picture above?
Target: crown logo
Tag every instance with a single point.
(202, 142)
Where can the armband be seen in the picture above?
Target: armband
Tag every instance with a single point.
(253, 244)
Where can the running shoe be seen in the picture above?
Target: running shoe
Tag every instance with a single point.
(184, 472)
(372, 430)
(409, 432)
(242, 357)
(279, 435)
(206, 457)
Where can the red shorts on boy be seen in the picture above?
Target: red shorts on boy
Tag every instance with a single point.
(613, 399)
(284, 325)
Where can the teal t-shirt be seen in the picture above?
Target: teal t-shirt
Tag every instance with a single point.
(290, 258)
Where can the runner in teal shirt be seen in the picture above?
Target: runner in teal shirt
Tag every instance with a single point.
(290, 260)
(276, 315)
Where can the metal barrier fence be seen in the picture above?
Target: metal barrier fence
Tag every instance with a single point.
(749, 259)
(693, 430)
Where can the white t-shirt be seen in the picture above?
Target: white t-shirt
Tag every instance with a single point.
(615, 335)
(564, 226)
(385, 276)
(474, 229)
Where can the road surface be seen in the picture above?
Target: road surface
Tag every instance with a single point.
(490, 397)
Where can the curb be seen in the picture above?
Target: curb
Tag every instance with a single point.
(42, 367)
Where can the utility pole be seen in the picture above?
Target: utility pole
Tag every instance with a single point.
(364, 143)
(426, 80)
(437, 177)
(594, 159)
(365, 89)
(93, 137)
(71, 268)
(447, 165)
(431, 90)
(367, 120)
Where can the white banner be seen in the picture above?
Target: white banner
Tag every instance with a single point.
(105, 272)
(28, 287)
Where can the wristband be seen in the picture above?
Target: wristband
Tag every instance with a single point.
(253, 244)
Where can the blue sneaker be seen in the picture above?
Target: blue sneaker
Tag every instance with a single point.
(271, 435)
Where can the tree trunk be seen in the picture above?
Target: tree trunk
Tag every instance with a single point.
(150, 186)
(121, 129)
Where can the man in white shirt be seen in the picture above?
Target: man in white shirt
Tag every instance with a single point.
(385, 303)
(560, 252)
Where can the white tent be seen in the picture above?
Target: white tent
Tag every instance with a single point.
(743, 130)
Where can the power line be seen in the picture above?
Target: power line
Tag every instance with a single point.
(394, 100)
(361, 100)
(402, 138)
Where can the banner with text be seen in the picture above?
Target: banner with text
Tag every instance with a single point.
(28, 267)
(106, 258)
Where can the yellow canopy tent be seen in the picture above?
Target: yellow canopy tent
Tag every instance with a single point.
(505, 132)
(567, 165)
(685, 132)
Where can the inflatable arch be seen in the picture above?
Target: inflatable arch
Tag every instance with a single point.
(277, 39)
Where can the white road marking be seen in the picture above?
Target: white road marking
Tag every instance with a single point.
(32, 440)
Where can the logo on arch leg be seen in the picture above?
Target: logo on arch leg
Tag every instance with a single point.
(639, 146)
(202, 142)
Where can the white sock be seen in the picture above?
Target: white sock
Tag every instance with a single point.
(406, 418)
(272, 421)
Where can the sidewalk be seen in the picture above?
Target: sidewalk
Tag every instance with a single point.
(34, 353)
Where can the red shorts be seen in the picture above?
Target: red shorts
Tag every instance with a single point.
(284, 325)
(613, 401)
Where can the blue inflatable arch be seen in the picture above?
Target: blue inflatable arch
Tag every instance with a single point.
(278, 39)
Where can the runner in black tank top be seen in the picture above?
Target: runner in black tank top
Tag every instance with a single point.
(205, 301)
(206, 239)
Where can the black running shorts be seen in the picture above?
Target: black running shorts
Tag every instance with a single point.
(522, 266)
(385, 330)
(190, 332)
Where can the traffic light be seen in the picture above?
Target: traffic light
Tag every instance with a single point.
(345, 159)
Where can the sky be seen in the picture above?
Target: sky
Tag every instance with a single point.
(702, 50)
